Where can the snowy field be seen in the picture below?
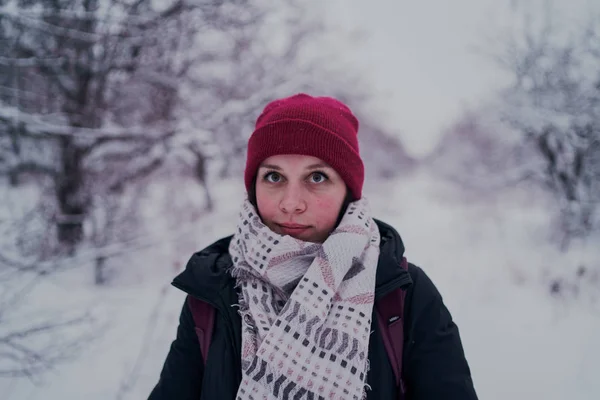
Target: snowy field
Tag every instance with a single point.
(489, 261)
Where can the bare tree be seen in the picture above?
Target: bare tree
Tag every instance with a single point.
(554, 103)
(67, 65)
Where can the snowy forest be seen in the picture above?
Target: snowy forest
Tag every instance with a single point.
(123, 126)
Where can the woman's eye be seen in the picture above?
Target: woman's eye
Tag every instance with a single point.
(273, 177)
(318, 177)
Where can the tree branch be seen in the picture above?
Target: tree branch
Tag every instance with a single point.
(28, 61)
(32, 167)
(59, 31)
(36, 126)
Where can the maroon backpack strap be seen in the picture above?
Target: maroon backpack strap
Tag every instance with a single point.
(390, 316)
(204, 319)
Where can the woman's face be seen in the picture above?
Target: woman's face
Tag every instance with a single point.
(299, 196)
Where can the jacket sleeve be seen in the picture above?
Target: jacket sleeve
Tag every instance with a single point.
(435, 366)
(181, 376)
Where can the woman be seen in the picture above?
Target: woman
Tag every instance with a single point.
(304, 270)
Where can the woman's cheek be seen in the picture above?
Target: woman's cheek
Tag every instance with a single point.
(267, 207)
(327, 208)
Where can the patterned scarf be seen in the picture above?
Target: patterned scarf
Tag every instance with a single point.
(306, 308)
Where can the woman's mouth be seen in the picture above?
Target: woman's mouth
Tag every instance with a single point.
(292, 229)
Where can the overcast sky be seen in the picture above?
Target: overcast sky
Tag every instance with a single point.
(422, 55)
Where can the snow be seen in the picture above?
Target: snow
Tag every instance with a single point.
(488, 260)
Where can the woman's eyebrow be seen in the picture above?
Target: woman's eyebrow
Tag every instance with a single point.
(271, 166)
(278, 168)
(317, 166)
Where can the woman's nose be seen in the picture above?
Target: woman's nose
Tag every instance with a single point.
(293, 200)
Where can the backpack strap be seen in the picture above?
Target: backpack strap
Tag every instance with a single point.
(204, 319)
(390, 316)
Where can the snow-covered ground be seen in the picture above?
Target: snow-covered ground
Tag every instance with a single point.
(487, 260)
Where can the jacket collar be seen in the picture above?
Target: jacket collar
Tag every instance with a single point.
(206, 275)
(390, 274)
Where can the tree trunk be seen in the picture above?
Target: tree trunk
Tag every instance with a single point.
(201, 175)
(70, 193)
(73, 201)
(99, 271)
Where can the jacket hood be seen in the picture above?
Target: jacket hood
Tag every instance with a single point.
(206, 274)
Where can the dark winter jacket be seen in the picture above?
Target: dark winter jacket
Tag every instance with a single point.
(434, 365)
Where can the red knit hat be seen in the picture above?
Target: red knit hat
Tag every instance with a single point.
(321, 127)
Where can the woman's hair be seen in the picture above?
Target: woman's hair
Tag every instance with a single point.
(347, 200)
